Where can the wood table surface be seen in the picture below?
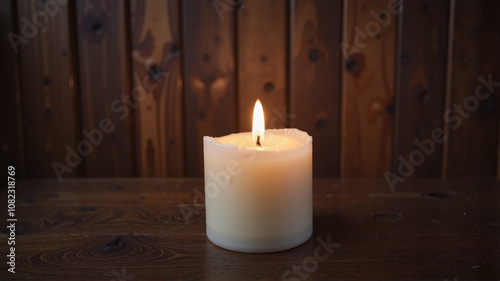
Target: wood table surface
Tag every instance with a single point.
(154, 229)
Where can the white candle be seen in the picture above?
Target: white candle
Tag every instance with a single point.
(259, 198)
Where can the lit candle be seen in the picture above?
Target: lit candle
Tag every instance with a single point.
(258, 188)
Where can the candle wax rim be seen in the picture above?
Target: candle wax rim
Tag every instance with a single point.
(302, 136)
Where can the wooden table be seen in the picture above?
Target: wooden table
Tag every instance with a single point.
(154, 229)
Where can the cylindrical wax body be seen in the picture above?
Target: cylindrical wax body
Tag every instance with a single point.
(259, 199)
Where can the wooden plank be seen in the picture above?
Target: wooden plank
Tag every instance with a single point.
(262, 62)
(473, 115)
(449, 68)
(48, 94)
(315, 79)
(106, 102)
(191, 257)
(421, 88)
(156, 66)
(171, 192)
(368, 48)
(169, 220)
(11, 146)
(209, 81)
(431, 239)
(99, 220)
(112, 192)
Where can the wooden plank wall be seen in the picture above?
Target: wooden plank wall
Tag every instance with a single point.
(11, 145)
(475, 89)
(368, 48)
(421, 83)
(48, 92)
(262, 65)
(103, 88)
(104, 78)
(157, 88)
(315, 64)
(209, 76)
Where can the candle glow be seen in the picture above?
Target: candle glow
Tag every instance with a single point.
(258, 124)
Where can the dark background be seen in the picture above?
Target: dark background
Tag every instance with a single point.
(129, 88)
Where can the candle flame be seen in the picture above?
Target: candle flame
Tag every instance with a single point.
(258, 126)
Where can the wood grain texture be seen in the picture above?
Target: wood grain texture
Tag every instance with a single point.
(48, 94)
(449, 68)
(421, 85)
(315, 79)
(149, 217)
(157, 82)
(209, 79)
(262, 62)
(163, 74)
(135, 228)
(156, 257)
(104, 56)
(473, 116)
(11, 143)
(368, 88)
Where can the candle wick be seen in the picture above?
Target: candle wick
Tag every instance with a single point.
(258, 140)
